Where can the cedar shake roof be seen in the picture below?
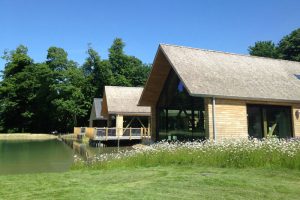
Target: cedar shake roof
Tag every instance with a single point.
(123, 100)
(218, 74)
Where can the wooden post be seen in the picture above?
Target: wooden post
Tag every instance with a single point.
(119, 125)
(130, 133)
(141, 131)
(106, 133)
(265, 124)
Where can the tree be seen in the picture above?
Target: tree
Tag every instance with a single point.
(18, 91)
(264, 49)
(66, 90)
(288, 48)
(127, 70)
(98, 72)
(57, 94)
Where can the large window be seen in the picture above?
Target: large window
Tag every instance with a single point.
(265, 120)
(179, 115)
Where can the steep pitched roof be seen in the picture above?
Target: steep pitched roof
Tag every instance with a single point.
(226, 75)
(123, 100)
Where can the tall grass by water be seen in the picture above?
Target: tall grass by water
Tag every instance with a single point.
(238, 153)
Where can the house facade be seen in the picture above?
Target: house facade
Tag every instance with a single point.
(200, 94)
(120, 108)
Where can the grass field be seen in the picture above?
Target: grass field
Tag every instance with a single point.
(164, 182)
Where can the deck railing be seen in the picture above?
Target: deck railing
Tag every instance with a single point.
(79, 130)
(106, 133)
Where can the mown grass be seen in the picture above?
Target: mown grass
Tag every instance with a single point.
(163, 182)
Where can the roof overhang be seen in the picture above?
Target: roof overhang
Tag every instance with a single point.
(156, 80)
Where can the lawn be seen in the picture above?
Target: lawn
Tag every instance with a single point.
(162, 182)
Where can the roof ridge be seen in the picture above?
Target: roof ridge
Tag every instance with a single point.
(223, 52)
(123, 86)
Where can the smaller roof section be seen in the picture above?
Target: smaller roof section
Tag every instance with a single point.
(123, 101)
(97, 109)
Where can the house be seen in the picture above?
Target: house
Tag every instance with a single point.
(96, 119)
(195, 93)
(125, 119)
(121, 110)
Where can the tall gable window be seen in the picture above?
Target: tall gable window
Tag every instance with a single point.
(297, 76)
(179, 115)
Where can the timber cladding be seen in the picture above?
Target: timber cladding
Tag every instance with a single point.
(231, 117)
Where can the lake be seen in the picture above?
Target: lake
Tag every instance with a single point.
(21, 156)
(33, 156)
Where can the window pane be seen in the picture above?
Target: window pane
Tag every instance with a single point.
(255, 121)
(180, 115)
(162, 124)
(279, 121)
(266, 120)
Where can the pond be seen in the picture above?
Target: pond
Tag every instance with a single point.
(23, 156)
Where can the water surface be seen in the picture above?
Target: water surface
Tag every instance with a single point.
(17, 156)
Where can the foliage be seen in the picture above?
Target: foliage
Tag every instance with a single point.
(264, 49)
(128, 70)
(239, 153)
(57, 94)
(288, 48)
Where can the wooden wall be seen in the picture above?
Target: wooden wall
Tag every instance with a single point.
(231, 119)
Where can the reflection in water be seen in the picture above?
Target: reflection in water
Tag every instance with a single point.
(86, 151)
(34, 156)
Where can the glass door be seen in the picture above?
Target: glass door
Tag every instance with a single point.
(266, 121)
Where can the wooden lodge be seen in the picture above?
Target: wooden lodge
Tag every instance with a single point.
(124, 119)
(203, 94)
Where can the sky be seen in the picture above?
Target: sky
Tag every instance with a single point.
(230, 26)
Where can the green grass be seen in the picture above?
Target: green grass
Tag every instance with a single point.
(273, 153)
(162, 182)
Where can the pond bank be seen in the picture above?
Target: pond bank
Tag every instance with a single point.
(26, 136)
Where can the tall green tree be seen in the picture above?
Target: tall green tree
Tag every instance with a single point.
(119, 61)
(17, 91)
(127, 70)
(66, 90)
(264, 49)
(99, 72)
(288, 48)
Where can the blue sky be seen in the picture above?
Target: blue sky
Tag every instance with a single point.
(218, 25)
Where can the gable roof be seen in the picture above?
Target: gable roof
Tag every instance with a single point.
(123, 100)
(218, 74)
